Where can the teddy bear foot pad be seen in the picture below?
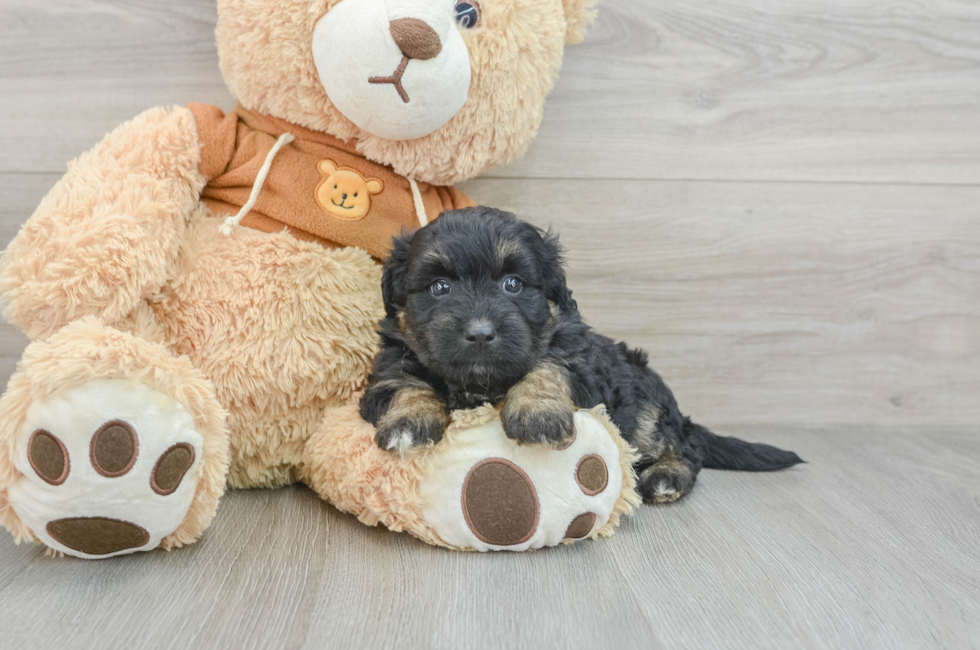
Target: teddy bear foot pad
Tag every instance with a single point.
(107, 468)
(517, 497)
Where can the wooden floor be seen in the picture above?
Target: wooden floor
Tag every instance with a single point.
(779, 199)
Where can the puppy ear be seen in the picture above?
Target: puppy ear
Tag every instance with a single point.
(393, 288)
(553, 269)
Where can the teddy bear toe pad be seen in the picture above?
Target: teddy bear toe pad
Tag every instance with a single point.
(484, 491)
(106, 469)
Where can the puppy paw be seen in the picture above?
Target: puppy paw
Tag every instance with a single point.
(403, 434)
(548, 423)
(415, 418)
(666, 481)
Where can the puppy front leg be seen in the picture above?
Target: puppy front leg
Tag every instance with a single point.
(406, 412)
(539, 408)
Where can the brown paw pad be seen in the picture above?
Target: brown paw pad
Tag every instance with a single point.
(97, 535)
(48, 457)
(500, 503)
(592, 475)
(171, 467)
(580, 526)
(114, 449)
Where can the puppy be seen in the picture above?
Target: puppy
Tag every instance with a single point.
(478, 312)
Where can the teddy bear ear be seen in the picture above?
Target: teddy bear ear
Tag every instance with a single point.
(375, 186)
(579, 14)
(327, 167)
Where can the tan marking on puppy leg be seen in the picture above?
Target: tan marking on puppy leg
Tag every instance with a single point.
(543, 389)
(647, 441)
(539, 407)
(668, 479)
(417, 407)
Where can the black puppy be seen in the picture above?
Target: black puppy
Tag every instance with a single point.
(478, 312)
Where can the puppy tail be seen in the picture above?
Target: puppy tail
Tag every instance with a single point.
(722, 452)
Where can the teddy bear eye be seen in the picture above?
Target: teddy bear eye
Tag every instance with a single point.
(335, 187)
(355, 195)
(468, 13)
(439, 288)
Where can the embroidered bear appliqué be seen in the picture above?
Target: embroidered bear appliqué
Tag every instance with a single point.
(344, 193)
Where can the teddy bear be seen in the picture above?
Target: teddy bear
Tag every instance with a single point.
(202, 289)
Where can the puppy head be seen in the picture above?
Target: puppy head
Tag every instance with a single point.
(477, 295)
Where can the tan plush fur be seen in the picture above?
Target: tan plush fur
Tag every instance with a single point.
(579, 14)
(121, 271)
(284, 329)
(88, 350)
(345, 466)
(628, 497)
(280, 328)
(108, 233)
(265, 50)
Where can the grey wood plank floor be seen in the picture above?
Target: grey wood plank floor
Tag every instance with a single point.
(779, 199)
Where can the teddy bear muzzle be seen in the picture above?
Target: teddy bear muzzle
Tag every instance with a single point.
(398, 70)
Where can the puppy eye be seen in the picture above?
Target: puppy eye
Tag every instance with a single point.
(439, 288)
(468, 13)
(513, 285)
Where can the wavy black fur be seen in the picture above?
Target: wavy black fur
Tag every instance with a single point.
(540, 343)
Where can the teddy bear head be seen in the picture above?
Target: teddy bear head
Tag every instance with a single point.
(440, 90)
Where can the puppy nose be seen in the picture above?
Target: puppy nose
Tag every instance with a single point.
(480, 332)
(415, 38)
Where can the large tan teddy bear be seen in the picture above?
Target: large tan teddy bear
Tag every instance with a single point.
(202, 289)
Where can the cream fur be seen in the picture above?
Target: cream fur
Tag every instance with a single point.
(283, 328)
(108, 234)
(87, 350)
(264, 339)
(495, 126)
(579, 14)
(345, 466)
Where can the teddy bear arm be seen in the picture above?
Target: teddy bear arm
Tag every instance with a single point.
(109, 232)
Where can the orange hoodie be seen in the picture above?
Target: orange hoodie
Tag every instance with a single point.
(318, 187)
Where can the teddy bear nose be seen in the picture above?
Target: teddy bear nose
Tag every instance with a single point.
(415, 38)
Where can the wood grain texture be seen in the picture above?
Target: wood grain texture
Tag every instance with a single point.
(800, 305)
(779, 199)
(842, 90)
(870, 545)
(777, 303)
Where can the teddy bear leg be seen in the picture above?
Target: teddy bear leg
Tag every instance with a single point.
(477, 489)
(109, 444)
(344, 465)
